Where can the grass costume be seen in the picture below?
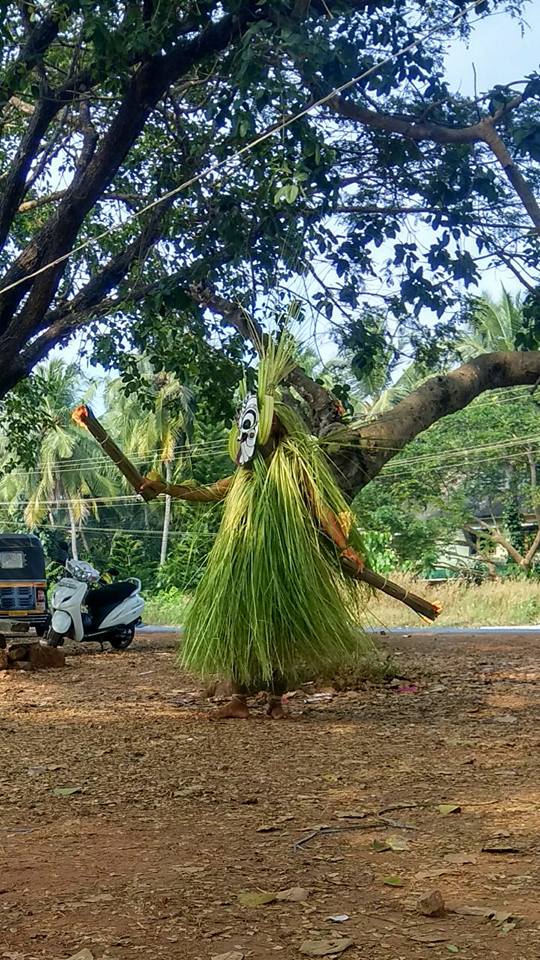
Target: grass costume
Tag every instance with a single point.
(280, 592)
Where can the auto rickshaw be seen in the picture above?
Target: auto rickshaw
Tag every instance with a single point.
(23, 584)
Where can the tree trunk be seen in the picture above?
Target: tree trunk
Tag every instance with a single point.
(360, 452)
(84, 540)
(73, 528)
(166, 517)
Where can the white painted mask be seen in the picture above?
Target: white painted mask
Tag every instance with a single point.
(248, 428)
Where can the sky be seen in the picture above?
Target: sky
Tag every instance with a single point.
(500, 50)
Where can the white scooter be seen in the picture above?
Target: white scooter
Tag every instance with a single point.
(82, 612)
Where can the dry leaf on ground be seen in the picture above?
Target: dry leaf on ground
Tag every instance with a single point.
(66, 791)
(460, 859)
(231, 955)
(256, 898)
(293, 894)
(325, 948)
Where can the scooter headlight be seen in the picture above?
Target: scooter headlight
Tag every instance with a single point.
(82, 571)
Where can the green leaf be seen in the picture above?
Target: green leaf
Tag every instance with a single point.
(291, 192)
(446, 808)
(66, 791)
(392, 882)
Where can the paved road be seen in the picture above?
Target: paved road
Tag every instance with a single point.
(511, 643)
(475, 633)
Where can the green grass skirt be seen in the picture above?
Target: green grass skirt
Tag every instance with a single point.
(273, 601)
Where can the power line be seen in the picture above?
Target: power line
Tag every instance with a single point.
(444, 456)
(449, 467)
(215, 449)
(474, 404)
(152, 533)
(463, 451)
(219, 164)
(451, 451)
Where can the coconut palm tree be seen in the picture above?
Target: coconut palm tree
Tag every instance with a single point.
(371, 396)
(493, 325)
(155, 435)
(67, 474)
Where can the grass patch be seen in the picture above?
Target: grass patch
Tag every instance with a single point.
(166, 608)
(492, 604)
(502, 603)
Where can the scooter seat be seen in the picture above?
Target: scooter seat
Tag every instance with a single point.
(109, 595)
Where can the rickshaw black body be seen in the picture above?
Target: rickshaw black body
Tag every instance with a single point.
(23, 583)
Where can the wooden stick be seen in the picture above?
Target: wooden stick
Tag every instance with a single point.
(148, 489)
(196, 492)
(412, 600)
(354, 566)
(85, 418)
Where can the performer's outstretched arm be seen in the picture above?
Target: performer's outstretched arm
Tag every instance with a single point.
(198, 493)
(146, 486)
(354, 566)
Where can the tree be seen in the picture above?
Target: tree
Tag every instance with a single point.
(493, 325)
(108, 108)
(155, 435)
(473, 472)
(65, 476)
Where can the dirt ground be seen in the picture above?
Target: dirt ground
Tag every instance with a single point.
(132, 827)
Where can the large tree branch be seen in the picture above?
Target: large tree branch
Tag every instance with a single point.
(38, 40)
(535, 545)
(374, 210)
(410, 129)
(13, 185)
(92, 301)
(513, 173)
(484, 131)
(360, 452)
(323, 408)
(144, 91)
(495, 535)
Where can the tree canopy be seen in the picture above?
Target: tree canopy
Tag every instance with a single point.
(369, 208)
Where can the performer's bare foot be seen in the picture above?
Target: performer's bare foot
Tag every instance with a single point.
(234, 709)
(275, 709)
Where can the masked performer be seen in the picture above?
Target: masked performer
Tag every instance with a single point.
(285, 579)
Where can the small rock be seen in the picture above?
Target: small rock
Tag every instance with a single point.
(18, 651)
(431, 904)
(46, 658)
(293, 894)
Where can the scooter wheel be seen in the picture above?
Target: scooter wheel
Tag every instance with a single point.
(54, 639)
(121, 641)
